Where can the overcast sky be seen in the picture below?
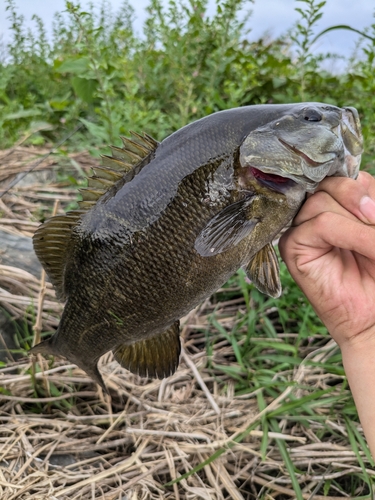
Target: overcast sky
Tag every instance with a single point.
(272, 16)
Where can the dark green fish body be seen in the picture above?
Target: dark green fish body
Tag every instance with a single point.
(153, 244)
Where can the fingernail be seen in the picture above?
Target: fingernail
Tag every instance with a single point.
(367, 207)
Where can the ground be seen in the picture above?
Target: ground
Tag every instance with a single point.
(258, 409)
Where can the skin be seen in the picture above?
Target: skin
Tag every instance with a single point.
(330, 252)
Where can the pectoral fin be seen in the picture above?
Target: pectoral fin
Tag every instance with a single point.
(155, 357)
(263, 270)
(226, 229)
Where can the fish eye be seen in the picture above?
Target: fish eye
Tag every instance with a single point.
(312, 115)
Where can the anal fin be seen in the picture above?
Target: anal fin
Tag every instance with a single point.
(155, 357)
(263, 270)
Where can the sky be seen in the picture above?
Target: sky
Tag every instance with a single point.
(269, 16)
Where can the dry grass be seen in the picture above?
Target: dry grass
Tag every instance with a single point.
(62, 438)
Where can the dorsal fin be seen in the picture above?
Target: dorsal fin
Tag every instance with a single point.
(107, 173)
(126, 154)
(96, 181)
(51, 242)
(145, 140)
(123, 160)
(89, 194)
(115, 164)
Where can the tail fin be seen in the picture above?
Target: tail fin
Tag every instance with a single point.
(44, 347)
(93, 372)
(91, 368)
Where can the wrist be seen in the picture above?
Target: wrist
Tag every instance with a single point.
(361, 343)
(358, 359)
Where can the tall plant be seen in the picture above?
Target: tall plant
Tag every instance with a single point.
(303, 37)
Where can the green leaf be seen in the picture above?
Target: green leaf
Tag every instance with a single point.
(23, 113)
(287, 460)
(342, 27)
(98, 131)
(39, 125)
(278, 346)
(76, 66)
(327, 487)
(353, 442)
(62, 102)
(84, 88)
(278, 358)
(300, 402)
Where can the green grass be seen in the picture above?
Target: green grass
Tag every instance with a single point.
(272, 340)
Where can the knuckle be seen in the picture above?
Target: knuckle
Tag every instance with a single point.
(317, 201)
(346, 192)
(322, 221)
(339, 185)
(346, 186)
(366, 175)
(366, 179)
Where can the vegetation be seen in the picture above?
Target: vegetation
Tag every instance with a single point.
(96, 70)
(284, 424)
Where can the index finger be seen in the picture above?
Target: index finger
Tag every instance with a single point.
(356, 196)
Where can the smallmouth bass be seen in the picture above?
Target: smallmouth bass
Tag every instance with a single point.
(163, 225)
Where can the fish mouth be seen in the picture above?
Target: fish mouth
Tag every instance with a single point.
(312, 172)
(275, 182)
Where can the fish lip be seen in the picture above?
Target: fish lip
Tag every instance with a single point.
(351, 127)
(307, 159)
(280, 186)
(307, 184)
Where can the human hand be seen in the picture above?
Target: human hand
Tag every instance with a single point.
(330, 252)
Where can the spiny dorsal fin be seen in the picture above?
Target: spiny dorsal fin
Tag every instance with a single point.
(107, 173)
(51, 242)
(96, 181)
(131, 154)
(155, 357)
(134, 147)
(145, 140)
(263, 270)
(86, 205)
(115, 164)
(114, 167)
(90, 194)
(126, 154)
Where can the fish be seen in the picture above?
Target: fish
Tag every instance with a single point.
(162, 226)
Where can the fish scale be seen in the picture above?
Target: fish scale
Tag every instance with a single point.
(185, 215)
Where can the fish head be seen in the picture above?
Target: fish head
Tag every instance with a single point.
(305, 144)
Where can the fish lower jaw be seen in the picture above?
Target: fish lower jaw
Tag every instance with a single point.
(281, 183)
